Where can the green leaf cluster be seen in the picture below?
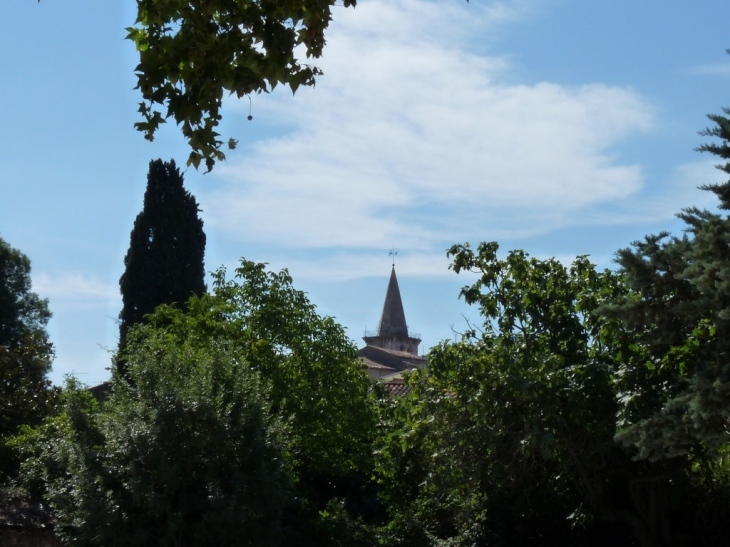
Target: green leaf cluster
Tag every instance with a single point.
(192, 53)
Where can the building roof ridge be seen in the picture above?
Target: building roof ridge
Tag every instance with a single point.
(391, 351)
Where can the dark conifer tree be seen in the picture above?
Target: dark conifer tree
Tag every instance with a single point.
(164, 263)
(676, 401)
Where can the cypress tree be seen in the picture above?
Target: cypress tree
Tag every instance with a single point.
(164, 263)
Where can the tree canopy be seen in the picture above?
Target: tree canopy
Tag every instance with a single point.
(26, 353)
(309, 361)
(511, 435)
(510, 430)
(185, 454)
(22, 312)
(238, 421)
(193, 53)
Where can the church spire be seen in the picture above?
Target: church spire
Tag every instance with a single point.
(393, 331)
(393, 319)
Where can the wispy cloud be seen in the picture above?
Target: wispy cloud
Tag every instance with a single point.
(683, 187)
(653, 205)
(713, 69)
(352, 264)
(74, 286)
(416, 135)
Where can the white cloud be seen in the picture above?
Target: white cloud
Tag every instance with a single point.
(414, 136)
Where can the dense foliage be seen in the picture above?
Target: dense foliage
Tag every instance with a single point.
(511, 436)
(192, 53)
(307, 359)
(22, 312)
(25, 351)
(165, 260)
(508, 438)
(242, 420)
(185, 454)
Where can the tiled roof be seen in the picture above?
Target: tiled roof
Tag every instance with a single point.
(396, 388)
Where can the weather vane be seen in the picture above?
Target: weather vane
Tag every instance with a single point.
(392, 253)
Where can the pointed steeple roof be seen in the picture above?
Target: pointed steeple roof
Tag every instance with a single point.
(393, 320)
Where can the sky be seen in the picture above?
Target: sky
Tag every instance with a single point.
(561, 127)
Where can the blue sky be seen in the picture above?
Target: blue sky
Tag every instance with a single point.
(562, 127)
